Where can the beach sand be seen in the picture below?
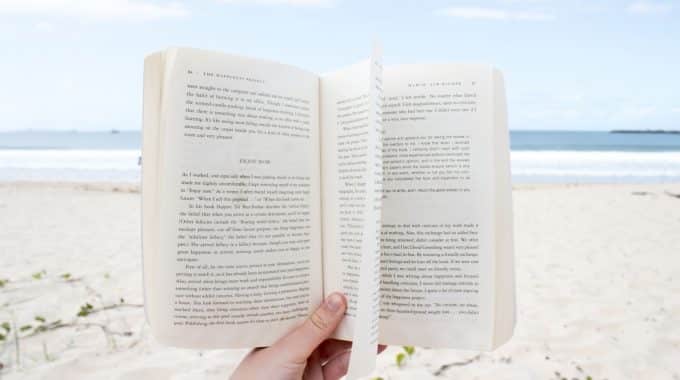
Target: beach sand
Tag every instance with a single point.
(598, 281)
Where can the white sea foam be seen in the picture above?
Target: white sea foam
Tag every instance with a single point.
(595, 166)
(69, 165)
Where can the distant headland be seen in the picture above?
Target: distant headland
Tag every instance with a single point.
(655, 131)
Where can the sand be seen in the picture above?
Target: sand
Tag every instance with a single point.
(598, 279)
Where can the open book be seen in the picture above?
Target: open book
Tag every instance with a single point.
(267, 187)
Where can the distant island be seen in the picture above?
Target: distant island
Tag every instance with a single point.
(656, 131)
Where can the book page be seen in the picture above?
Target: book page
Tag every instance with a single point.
(351, 181)
(153, 83)
(505, 307)
(438, 244)
(238, 261)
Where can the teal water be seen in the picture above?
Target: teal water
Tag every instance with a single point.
(70, 140)
(593, 141)
(520, 141)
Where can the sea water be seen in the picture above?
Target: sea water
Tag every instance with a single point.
(594, 157)
(70, 156)
(536, 156)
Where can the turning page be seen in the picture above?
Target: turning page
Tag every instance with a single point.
(351, 180)
(446, 205)
(232, 248)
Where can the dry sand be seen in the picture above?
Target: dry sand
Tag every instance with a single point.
(598, 278)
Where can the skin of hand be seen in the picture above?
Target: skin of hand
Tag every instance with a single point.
(304, 353)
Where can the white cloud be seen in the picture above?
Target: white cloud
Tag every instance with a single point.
(675, 109)
(44, 27)
(477, 13)
(647, 7)
(96, 9)
(299, 3)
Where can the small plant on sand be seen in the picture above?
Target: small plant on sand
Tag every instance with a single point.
(401, 357)
(30, 329)
(6, 328)
(85, 310)
(559, 376)
(39, 275)
(14, 332)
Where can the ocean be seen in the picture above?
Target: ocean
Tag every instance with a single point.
(536, 156)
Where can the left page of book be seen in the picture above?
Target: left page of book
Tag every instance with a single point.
(231, 199)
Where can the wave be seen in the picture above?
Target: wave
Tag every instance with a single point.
(527, 166)
(70, 165)
(94, 159)
(595, 166)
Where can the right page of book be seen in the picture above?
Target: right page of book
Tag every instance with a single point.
(439, 220)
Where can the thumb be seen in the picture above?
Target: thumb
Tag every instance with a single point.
(299, 344)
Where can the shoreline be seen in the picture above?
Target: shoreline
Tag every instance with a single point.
(114, 187)
(131, 187)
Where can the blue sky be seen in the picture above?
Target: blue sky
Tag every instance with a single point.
(575, 65)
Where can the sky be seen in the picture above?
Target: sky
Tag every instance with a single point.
(568, 65)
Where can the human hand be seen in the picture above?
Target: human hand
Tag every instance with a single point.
(306, 352)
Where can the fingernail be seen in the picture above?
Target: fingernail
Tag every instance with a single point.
(334, 302)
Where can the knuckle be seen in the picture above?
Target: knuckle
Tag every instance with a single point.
(318, 321)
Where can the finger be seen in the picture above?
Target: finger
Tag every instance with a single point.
(301, 342)
(313, 370)
(332, 347)
(336, 367)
